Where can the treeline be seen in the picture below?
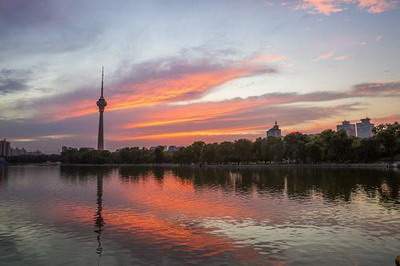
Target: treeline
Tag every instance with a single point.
(328, 146)
(29, 158)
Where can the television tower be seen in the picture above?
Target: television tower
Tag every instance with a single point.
(101, 103)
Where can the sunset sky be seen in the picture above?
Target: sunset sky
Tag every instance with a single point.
(179, 71)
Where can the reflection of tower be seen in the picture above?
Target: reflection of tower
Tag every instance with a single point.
(101, 103)
(99, 221)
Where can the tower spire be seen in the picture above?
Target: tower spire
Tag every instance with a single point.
(102, 80)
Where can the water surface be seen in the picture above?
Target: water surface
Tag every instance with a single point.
(59, 215)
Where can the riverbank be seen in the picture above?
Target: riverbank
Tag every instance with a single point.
(254, 165)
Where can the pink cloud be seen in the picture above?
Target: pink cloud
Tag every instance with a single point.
(325, 56)
(325, 7)
(377, 6)
(328, 7)
(331, 56)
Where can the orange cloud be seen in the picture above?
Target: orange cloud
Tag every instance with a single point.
(163, 90)
(325, 7)
(210, 132)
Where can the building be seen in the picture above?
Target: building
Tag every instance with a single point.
(347, 127)
(274, 131)
(364, 128)
(4, 148)
(101, 103)
(17, 152)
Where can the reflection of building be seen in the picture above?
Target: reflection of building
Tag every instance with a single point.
(364, 128)
(350, 129)
(4, 148)
(274, 131)
(101, 103)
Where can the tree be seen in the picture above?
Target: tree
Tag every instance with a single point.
(295, 144)
(243, 150)
(388, 135)
(225, 152)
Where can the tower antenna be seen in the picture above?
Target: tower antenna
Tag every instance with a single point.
(102, 80)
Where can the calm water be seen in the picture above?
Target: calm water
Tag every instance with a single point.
(180, 216)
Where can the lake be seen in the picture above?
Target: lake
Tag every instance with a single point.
(81, 215)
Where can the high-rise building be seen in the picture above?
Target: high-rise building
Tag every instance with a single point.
(4, 148)
(364, 128)
(274, 131)
(349, 128)
(101, 103)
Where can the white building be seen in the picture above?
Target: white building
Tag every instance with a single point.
(274, 131)
(347, 127)
(364, 128)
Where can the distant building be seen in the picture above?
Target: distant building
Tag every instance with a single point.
(347, 127)
(4, 148)
(17, 152)
(274, 131)
(364, 128)
(172, 149)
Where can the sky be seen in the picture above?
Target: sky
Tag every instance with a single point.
(180, 71)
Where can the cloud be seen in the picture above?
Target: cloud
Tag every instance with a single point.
(342, 58)
(377, 6)
(209, 121)
(13, 80)
(390, 89)
(268, 58)
(46, 26)
(251, 122)
(325, 56)
(164, 81)
(331, 55)
(328, 7)
(325, 7)
(229, 108)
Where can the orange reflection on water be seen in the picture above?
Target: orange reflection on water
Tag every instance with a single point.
(181, 198)
(164, 233)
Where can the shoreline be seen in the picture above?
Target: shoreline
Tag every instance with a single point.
(255, 166)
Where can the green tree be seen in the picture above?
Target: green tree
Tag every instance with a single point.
(388, 135)
(243, 150)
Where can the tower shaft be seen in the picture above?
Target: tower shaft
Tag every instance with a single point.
(100, 137)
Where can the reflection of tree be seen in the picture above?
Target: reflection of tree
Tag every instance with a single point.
(3, 175)
(83, 173)
(331, 184)
(136, 173)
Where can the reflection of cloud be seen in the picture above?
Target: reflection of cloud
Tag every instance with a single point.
(164, 233)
